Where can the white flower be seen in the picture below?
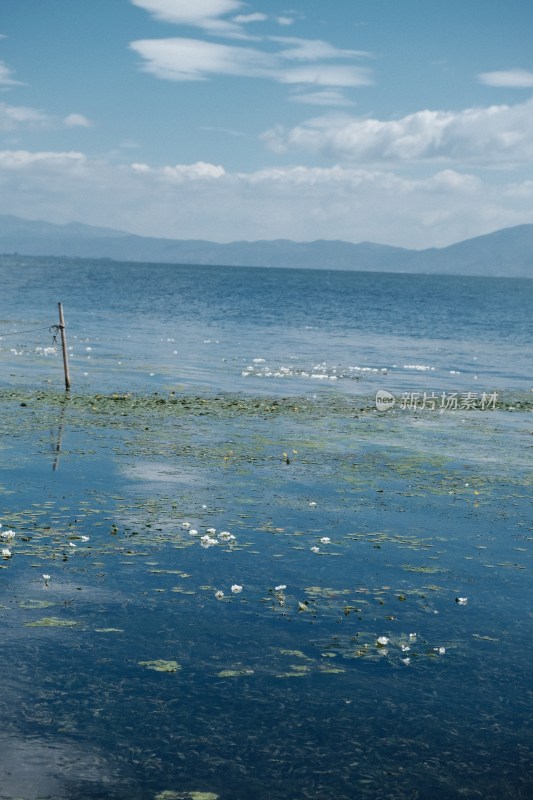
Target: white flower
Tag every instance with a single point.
(8, 535)
(405, 648)
(462, 601)
(207, 541)
(235, 589)
(46, 577)
(193, 532)
(412, 637)
(312, 504)
(440, 650)
(219, 595)
(280, 588)
(6, 552)
(71, 544)
(405, 661)
(186, 525)
(211, 531)
(382, 641)
(315, 549)
(85, 538)
(325, 540)
(226, 536)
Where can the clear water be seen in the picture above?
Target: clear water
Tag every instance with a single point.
(395, 663)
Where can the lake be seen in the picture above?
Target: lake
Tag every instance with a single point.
(226, 573)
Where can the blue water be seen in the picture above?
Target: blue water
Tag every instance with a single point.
(256, 330)
(380, 645)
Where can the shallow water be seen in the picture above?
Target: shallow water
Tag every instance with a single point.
(391, 662)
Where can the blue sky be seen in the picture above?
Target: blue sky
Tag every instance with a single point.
(405, 122)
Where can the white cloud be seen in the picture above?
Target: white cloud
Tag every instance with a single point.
(193, 59)
(326, 75)
(204, 14)
(77, 121)
(14, 117)
(6, 76)
(324, 97)
(183, 59)
(218, 129)
(512, 78)
(183, 172)
(502, 134)
(244, 19)
(297, 49)
(205, 201)
(24, 159)
(284, 59)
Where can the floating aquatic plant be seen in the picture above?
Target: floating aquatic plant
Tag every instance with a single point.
(160, 665)
(51, 622)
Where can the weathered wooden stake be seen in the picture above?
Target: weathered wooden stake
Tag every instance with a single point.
(64, 346)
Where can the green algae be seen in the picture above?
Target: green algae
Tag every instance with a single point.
(33, 604)
(109, 630)
(160, 665)
(51, 622)
(168, 794)
(235, 673)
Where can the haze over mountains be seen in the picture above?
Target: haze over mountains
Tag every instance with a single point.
(506, 253)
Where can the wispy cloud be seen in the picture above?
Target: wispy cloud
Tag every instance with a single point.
(245, 19)
(6, 76)
(496, 134)
(225, 131)
(205, 14)
(284, 59)
(298, 49)
(215, 17)
(326, 75)
(511, 78)
(24, 159)
(181, 59)
(285, 20)
(324, 97)
(77, 121)
(14, 117)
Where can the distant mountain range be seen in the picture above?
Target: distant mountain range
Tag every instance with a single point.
(507, 252)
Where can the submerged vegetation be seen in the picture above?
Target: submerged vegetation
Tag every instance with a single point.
(197, 554)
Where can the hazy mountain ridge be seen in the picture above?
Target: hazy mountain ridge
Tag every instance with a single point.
(507, 252)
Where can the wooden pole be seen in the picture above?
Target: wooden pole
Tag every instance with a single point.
(61, 425)
(64, 346)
